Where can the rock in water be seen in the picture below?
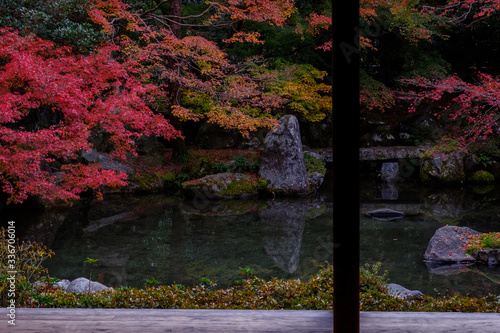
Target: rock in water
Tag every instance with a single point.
(385, 214)
(447, 245)
(282, 159)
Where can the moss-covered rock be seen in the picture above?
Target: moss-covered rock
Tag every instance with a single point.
(443, 167)
(225, 185)
(481, 177)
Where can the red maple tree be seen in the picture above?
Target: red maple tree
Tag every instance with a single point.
(52, 102)
(473, 109)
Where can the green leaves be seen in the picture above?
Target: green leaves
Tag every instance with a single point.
(316, 294)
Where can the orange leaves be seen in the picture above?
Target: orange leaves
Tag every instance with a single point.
(185, 114)
(235, 118)
(106, 13)
(245, 37)
(318, 22)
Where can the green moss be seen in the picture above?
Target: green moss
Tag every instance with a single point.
(446, 146)
(245, 186)
(483, 242)
(314, 164)
(482, 177)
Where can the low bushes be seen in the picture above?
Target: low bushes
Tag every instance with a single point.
(316, 294)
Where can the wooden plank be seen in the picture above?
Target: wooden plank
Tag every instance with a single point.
(429, 322)
(161, 320)
(156, 326)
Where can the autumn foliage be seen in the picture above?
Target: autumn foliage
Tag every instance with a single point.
(473, 109)
(54, 101)
(51, 103)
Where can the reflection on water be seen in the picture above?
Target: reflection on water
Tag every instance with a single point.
(400, 244)
(174, 241)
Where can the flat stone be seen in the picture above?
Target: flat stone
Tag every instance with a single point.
(385, 214)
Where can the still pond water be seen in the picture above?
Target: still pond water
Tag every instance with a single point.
(136, 238)
(401, 243)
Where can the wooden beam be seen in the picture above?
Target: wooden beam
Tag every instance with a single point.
(346, 165)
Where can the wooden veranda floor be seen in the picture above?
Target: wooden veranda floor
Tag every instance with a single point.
(153, 320)
(147, 320)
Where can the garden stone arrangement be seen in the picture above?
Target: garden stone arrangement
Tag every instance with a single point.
(461, 245)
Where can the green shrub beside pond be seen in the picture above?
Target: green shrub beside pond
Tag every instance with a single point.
(316, 294)
(484, 241)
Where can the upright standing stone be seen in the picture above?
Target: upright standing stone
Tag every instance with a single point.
(282, 159)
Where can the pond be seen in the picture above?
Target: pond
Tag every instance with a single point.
(401, 243)
(179, 241)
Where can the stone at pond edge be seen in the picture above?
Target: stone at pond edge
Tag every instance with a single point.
(81, 285)
(216, 186)
(282, 159)
(443, 168)
(106, 161)
(401, 292)
(490, 257)
(447, 245)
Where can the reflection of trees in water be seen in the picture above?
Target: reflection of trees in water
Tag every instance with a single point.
(173, 246)
(157, 244)
(400, 244)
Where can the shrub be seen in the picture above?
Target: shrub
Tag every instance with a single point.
(220, 167)
(241, 163)
(482, 242)
(27, 265)
(315, 294)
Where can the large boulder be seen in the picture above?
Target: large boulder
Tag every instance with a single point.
(447, 245)
(282, 159)
(443, 168)
(82, 285)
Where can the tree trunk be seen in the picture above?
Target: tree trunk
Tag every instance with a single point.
(176, 10)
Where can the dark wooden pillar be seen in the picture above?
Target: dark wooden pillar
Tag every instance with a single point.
(346, 165)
